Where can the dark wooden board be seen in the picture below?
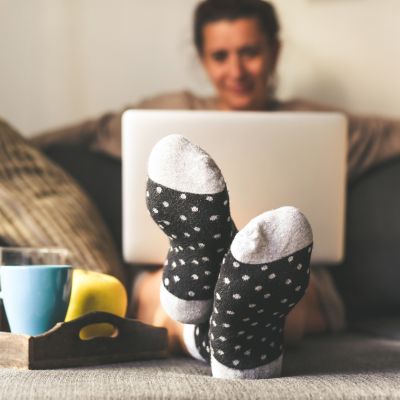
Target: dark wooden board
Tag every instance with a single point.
(62, 347)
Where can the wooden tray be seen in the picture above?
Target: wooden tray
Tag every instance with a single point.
(61, 346)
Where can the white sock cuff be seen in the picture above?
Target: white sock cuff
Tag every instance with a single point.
(190, 342)
(185, 311)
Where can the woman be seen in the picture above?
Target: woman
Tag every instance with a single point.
(238, 45)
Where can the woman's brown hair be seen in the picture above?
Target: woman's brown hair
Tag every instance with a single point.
(214, 10)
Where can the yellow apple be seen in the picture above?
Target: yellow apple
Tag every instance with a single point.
(94, 291)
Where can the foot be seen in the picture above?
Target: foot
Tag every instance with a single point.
(306, 317)
(188, 199)
(263, 276)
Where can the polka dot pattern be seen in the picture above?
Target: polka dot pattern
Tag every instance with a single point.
(252, 301)
(202, 340)
(200, 234)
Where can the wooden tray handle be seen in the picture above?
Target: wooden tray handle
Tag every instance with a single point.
(124, 326)
(97, 317)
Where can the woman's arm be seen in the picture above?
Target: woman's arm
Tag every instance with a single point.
(372, 140)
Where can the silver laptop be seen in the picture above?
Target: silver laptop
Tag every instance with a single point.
(268, 160)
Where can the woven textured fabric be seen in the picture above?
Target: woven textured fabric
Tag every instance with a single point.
(40, 205)
(345, 366)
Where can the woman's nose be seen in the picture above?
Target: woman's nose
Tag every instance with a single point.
(236, 67)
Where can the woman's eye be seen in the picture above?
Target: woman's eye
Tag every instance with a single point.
(250, 51)
(219, 56)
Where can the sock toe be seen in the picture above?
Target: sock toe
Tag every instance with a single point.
(272, 235)
(179, 164)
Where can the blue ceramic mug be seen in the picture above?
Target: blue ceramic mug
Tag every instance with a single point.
(35, 297)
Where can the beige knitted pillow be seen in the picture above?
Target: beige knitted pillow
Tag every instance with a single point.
(40, 205)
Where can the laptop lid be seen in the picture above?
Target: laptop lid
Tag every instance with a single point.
(268, 159)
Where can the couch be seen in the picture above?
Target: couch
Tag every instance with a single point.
(362, 362)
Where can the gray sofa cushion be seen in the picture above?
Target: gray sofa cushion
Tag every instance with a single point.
(370, 275)
(326, 367)
(99, 175)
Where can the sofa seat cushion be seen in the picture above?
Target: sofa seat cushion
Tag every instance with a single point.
(328, 367)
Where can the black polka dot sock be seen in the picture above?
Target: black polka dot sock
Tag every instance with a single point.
(262, 277)
(197, 342)
(188, 199)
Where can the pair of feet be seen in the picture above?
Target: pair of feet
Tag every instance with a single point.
(232, 290)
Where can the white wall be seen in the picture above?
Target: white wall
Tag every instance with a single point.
(345, 52)
(64, 60)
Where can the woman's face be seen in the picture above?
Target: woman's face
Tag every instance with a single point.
(239, 61)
